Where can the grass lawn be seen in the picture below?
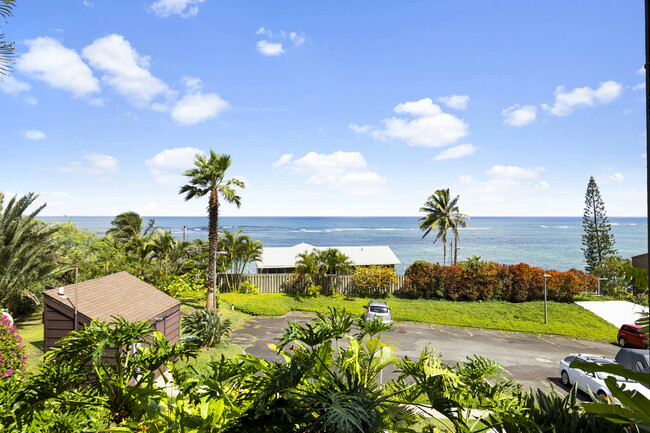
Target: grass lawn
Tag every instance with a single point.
(565, 319)
(30, 329)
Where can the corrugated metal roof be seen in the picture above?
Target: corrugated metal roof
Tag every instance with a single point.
(285, 257)
(119, 294)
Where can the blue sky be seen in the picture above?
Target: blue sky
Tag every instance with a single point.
(327, 108)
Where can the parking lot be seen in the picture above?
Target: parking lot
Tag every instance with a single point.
(531, 359)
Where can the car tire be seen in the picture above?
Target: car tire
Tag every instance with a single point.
(601, 394)
(622, 342)
(565, 378)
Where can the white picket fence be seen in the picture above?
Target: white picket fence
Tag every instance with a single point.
(281, 283)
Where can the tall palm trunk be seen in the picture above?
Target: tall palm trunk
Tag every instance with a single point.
(444, 253)
(213, 244)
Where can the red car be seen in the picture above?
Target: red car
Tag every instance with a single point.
(631, 335)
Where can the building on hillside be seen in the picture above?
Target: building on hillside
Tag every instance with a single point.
(119, 294)
(640, 261)
(282, 260)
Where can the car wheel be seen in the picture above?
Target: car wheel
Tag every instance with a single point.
(601, 395)
(565, 379)
(621, 342)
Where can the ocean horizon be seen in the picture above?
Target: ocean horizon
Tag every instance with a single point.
(552, 243)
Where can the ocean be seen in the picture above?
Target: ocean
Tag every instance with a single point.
(552, 243)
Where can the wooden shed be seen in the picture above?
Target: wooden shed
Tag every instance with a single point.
(119, 294)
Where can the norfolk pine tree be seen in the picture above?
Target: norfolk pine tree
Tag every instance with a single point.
(597, 240)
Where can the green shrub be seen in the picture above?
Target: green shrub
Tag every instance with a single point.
(12, 351)
(314, 290)
(186, 285)
(248, 287)
(207, 326)
(373, 280)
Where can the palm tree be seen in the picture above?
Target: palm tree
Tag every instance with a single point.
(442, 215)
(240, 250)
(309, 265)
(128, 225)
(168, 250)
(6, 48)
(28, 251)
(208, 178)
(334, 261)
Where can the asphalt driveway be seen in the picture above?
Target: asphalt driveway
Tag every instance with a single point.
(531, 359)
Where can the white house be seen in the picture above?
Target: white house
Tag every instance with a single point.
(280, 260)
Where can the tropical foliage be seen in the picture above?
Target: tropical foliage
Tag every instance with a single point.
(130, 225)
(373, 280)
(6, 48)
(316, 264)
(208, 178)
(442, 215)
(477, 280)
(240, 250)
(597, 240)
(28, 252)
(207, 326)
(12, 351)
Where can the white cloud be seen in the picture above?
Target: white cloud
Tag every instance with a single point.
(519, 116)
(430, 127)
(126, 71)
(640, 86)
(641, 71)
(95, 164)
(55, 198)
(167, 167)
(566, 101)
(610, 178)
(361, 129)
(34, 134)
(184, 8)
(11, 86)
(192, 83)
(513, 172)
(270, 48)
(62, 68)
(456, 152)
(346, 171)
(284, 159)
(264, 31)
(296, 38)
(458, 102)
(198, 107)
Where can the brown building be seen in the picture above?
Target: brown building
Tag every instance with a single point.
(119, 294)
(640, 261)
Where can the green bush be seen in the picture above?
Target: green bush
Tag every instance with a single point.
(373, 280)
(248, 287)
(186, 285)
(207, 326)
(12, 351)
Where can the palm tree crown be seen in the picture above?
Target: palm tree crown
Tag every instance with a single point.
(208, 178)
(129, 225)
(442, 215)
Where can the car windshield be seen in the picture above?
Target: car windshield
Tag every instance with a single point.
(375, 309)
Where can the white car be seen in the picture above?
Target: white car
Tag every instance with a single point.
(595, 382)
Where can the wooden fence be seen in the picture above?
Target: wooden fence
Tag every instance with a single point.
(287, 283)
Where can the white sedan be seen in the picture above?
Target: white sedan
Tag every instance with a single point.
(595, 382)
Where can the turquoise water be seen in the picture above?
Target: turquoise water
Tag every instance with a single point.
(547, 242)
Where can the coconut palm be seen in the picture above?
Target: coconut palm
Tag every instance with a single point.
(208, 178)
(129, 225)
(442, 215)
(166, 249)
(307, 263)
(28, 251)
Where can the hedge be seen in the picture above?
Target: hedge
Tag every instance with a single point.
(474, 281)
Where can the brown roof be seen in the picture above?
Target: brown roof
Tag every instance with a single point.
(119, 294)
